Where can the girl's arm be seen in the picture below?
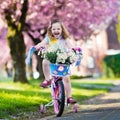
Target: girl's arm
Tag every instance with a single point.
(33, 49)
(68, 44)
(41, 44)
(72, 46)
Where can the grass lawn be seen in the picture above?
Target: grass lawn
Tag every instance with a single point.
(19, 99)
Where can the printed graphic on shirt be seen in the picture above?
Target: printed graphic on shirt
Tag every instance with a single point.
(60, 43)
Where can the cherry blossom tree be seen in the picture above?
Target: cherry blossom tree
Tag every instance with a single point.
(4, 49)
(81, 17)
(14, 14)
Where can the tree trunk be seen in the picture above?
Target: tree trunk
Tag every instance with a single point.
(113, 42)
(17, 48)
(39, 59)
(16, 42)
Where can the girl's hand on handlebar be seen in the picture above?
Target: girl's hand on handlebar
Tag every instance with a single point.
(77, 50)
(41, 48)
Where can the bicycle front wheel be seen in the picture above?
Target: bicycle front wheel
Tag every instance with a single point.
(59, 101)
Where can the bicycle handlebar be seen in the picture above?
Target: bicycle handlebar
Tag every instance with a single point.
(40, 49)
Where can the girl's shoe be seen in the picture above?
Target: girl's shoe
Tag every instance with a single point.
(46, 83)
(70, 100)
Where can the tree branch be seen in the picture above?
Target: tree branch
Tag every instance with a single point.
(24, 12)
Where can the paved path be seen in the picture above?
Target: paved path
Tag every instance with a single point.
(103, 107)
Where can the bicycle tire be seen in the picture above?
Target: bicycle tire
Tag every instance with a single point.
(59, 101)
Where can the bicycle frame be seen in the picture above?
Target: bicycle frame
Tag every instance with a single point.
(53, 92)
(53, 85)
(57, 102)
(58, 71)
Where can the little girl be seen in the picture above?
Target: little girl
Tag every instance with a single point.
(57, 35)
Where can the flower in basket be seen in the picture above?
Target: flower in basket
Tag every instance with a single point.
(59, 56)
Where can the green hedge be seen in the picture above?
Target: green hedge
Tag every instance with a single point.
(111, 66)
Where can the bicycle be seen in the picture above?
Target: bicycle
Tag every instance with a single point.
(58, 71)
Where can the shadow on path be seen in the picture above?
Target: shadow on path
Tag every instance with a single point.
(103, 107)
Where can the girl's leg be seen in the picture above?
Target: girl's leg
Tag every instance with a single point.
(67, 85)
(46, 71)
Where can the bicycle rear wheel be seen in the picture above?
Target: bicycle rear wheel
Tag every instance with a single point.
(59, 101)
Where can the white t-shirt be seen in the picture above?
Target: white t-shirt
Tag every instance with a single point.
(57, 43)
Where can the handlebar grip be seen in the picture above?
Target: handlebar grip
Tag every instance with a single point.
(40, 49)
(77, 50)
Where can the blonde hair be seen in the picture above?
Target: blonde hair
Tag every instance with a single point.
(65, 33)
